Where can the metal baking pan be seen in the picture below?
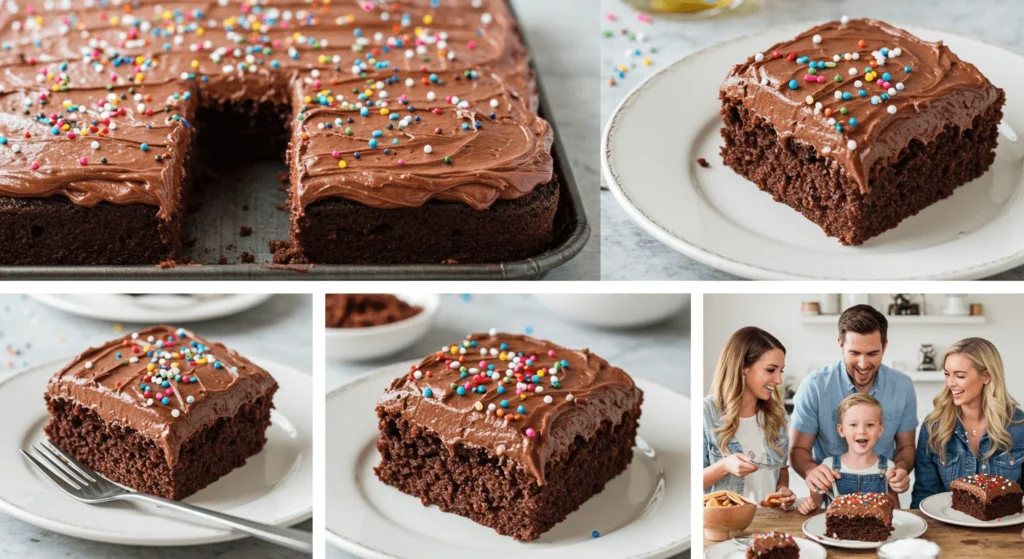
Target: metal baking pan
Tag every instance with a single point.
(215, 228)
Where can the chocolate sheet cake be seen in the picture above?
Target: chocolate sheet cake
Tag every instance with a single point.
(161, 410)
(359, 310)
(773, 545)
(987, 497)
(860, 516)
(510, 431)
(859, 125)
(409, 127)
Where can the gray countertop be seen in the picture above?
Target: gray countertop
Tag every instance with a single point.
(627, 251)
(32, 334)
(641, 352)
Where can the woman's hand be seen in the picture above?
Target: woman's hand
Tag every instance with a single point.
(737, 465)
(786, 496)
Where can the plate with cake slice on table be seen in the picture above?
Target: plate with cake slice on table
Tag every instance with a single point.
(863, 521)
(978, 501)
(505, 443)
(766, 545)
(854, 149)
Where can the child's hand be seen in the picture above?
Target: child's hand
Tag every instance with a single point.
(809, 505)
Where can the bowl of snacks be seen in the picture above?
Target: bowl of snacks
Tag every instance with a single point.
(726, 514)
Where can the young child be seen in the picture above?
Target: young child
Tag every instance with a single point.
(860, 470)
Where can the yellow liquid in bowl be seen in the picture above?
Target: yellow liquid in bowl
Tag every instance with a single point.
(686, 6)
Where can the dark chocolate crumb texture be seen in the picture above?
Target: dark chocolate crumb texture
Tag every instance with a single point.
(163, 383)
(391, 104)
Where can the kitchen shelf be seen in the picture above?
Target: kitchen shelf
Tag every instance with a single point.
(927, 376)
(933, 319)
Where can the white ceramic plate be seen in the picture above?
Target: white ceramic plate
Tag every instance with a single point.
(154, 308)
(375, 342)
(730, 550)
(719, 218)
(940, 507)
(905, 525)
(274, 487)
(642, 513)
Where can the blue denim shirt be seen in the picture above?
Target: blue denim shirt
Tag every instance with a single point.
(712, 454)
(816, 408)
(932, 475)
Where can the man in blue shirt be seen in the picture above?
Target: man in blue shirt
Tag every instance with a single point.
(814, 437)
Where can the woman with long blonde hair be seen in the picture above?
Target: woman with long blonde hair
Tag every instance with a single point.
(976, 426)
(745, 431)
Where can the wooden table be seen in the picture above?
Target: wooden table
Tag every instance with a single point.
(956, 541)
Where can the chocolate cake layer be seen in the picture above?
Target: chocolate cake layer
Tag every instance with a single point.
(165, 396)
(860, 516)
(773, 545)
(986, 496)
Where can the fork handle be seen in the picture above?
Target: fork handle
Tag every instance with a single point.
(290, 538)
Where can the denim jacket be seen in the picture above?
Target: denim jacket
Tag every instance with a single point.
(933, 475)
(712, 454)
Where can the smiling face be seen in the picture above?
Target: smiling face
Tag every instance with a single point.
(963, 380)
(862, 354)
(763, 377)
(861, 426)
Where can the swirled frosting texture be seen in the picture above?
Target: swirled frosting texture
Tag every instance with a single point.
(470, 394)
(448, 63)
(928, 88)
(123, 382)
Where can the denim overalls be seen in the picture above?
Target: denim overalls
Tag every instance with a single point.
(860, 483)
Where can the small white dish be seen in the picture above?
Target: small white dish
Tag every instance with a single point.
(719, 218)
(615, 310)
(729, 549)
(905, 525)
(374, 342)
(154, 308)
(274, 487)
(642, 513)
(940, 507)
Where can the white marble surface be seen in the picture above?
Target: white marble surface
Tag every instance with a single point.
(564, 37)
(627, 252)
(31, 334)
(641, 352)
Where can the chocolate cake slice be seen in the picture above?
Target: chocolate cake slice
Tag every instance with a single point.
(363, 310)
(987, 497)
(860, 516)
(509, 431)
(161, 411)
(773, 545)
(859, 125)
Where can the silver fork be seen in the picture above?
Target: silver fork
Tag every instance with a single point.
(87, 486)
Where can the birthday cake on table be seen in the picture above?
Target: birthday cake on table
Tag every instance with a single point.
(858, 125)
(860, 516)
(160, 410)
(987, 497)
(509, 431)
(773, 545)
(409, 127)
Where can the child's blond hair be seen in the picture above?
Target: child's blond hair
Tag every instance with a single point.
(857, 399)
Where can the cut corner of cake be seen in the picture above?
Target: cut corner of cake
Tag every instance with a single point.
(161, 410)
(986, 496)
(507, 430)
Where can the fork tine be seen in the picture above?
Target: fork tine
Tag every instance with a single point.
(48, 454)
(57, 478)
(80, 469)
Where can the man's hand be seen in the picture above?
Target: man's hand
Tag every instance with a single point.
(821, 478)
(738, 466)
(899, 479)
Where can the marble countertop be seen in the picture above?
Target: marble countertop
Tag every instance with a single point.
(32, 334)
(563, 46)
(641, 352)
(627, 251)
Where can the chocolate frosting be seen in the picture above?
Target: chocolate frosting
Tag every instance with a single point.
(278, 52)
(116, 381)
(986, 487)
(877, 505)
(360, 310)
(566, 393)
(770, 541)
(939, 90)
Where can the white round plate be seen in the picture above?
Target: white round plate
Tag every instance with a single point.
(376, 342)
(905, 525)
(274, 487)
(731, 550)
(940, 507)
(719, 218)
(154, 308)
(642, 513)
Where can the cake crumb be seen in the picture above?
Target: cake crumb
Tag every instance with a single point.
(245, 207)
(222, 260)
(703, 162)
(248, 258)
(245, 231)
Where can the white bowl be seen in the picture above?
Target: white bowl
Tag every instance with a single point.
(373, 342)
(615, 310)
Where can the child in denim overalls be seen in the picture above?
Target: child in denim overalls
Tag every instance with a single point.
(860, 470)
